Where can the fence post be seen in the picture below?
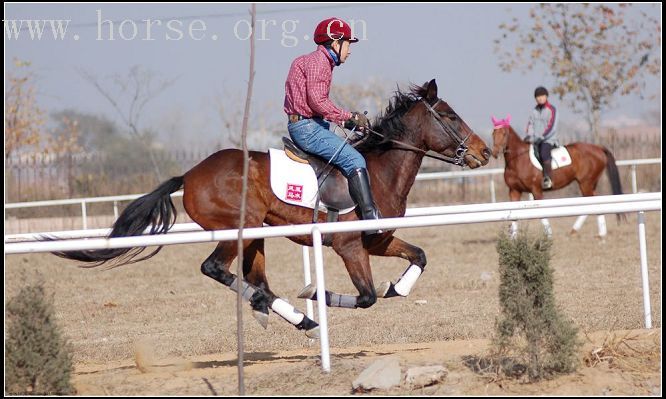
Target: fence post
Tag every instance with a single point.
(307, 279)
(644, 270)
(634, 184)
(84, 215)
(321, 300)
(492, 188)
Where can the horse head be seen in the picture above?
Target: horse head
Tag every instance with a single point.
(443, 131)
(501, 129)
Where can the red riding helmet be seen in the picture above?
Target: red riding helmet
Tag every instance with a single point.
(333, 29)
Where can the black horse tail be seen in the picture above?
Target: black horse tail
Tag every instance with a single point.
(614, 177)
(155, 209)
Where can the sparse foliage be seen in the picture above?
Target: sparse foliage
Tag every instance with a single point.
(37, 357)
(135, 90)
(527, 307)
(595, 52)
(24, 119)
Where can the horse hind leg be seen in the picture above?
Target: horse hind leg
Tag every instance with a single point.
(256, 292)
(254, 270)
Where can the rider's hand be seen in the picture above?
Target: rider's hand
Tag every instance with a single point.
(528, 139)
(358, 121)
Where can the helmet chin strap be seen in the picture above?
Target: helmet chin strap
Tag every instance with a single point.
(337, 54)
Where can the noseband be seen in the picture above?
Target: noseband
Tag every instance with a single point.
(461, 151)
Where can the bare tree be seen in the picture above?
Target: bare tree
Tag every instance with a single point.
(370, 95)
(228, 107)
(246, 165)
(595, 52)
(139, 87)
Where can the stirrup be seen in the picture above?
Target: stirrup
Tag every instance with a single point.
(547, 183)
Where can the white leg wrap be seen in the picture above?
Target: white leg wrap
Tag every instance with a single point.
(579, 222)
(404, 286)
(546, 227)
(286, 311)
(513, 231)
(601, 222)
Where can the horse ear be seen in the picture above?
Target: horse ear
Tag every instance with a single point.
(431, 92)
(508, 118)
(492, 118)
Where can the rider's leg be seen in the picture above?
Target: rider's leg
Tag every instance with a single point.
(546, 161)
(315, 137)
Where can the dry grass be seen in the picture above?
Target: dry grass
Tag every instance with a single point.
(627, 351)
(166, 299)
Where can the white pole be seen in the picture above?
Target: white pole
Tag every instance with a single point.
(644, 270)
(115, 210)
(307, 279)
(634, 184)
(513, 230)
(492, 189)
(321, 300)
(546, 227)
(84, 215)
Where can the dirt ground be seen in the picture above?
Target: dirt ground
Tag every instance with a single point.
(160, 327)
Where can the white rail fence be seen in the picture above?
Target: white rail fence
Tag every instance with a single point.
(421, 176)
(426, 217)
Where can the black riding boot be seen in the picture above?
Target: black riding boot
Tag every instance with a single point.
(359, 188)
(547, 183)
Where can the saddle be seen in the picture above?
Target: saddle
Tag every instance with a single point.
(310, 182)
(559, 156)
(333, 187)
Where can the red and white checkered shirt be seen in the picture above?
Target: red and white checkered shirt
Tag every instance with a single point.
(308, 85)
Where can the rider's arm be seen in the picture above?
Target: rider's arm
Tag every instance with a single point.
(552, 122)
(318, 81)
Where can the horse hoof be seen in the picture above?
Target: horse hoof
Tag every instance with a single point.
(308, 292)
(313, 333)
(383, 289)
(261, 318)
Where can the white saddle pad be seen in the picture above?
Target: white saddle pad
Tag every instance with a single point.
(295, 183)
(560, 157)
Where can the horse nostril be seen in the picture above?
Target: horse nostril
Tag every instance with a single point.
(487, 153)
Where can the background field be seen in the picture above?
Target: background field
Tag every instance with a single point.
(167, 307)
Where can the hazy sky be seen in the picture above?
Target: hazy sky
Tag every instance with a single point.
(404, 43)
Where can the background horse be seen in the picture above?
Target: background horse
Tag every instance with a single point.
(588, 162)
(419, 120)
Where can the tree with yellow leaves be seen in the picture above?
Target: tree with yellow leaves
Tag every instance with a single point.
(595, 52)
(23, 117)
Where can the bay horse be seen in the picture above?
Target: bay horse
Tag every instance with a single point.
(417, 119)
(588, 162)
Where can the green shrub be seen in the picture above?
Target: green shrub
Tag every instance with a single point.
(37, 358)
(530, 323)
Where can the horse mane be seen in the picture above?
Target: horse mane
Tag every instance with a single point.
(389, 123)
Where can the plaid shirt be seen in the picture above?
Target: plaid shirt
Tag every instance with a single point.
(308, 85)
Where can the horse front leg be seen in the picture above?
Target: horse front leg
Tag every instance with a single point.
(417, 259)
(357, 262)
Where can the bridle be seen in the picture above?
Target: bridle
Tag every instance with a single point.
(461, 151)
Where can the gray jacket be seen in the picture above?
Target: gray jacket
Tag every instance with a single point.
(543, 123)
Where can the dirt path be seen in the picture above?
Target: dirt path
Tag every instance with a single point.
(297, 372)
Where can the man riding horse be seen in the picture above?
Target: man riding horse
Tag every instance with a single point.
(543, 121)
(309, 109)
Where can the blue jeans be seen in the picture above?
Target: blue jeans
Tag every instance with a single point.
(313, 136)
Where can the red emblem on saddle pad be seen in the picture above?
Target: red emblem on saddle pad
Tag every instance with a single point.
(294, 192)
(564, 158)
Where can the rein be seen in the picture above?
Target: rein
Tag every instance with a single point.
(461, 151)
